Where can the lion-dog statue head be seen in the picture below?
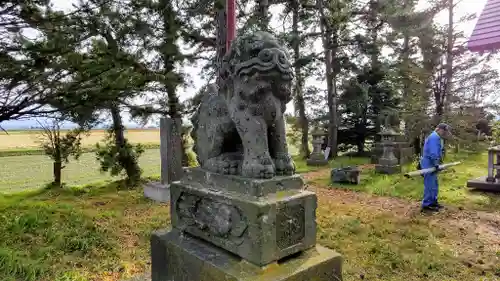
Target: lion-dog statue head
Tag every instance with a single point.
(256, 66)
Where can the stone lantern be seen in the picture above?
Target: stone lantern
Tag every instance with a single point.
(317, 158)
(388, 163)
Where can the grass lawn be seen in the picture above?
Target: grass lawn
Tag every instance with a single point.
(73, 236)
(18, 173)
(101, 233)
(452, 183)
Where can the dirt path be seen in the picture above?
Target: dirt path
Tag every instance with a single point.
(476, 233)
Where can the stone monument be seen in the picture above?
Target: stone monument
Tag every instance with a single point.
(317, 158)
(388, 163)
(492, 181)
(171, 153)
(243, 214)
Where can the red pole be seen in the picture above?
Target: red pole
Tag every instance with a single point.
(230, 22)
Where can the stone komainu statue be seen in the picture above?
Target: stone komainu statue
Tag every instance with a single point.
(239, 129)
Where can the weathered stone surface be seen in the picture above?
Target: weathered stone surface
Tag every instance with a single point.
(483, 184)
(239, 129)
(316, 162)
(403, 151)
(388, 163)
(170, 150)
(181, 257)
(238, 184)
(260, 230)
(317, 158)
(491, 182)
(157, 191)
(346, 175)
(388, 169)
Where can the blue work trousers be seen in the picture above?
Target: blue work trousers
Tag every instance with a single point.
(431, 189)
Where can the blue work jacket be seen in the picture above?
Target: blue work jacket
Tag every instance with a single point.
(432, 151)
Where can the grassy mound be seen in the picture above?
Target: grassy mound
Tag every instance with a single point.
(91, 233)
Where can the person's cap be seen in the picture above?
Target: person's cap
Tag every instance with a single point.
(444, 127)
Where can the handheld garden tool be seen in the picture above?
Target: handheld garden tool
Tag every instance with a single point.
(430, 170)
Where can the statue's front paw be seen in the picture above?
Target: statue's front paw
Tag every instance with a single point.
(284, 164)
(257, 167)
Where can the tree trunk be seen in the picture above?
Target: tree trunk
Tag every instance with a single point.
(57, 164)
(441, 103)
(426, 87)
(407, 98)
(332, 100)
(57, 171)
(263, 15)
(127, 160)
(374, 52)
(326, 36)
(118, 128)
(361, 135)
(170, 36)
(299, 85)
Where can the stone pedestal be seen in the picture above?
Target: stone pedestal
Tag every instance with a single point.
(492, 181)
(182, 257)
(157, 191)
(235, 228)
(317, 158)
(482, 183)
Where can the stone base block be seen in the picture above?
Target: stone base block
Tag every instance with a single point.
(157, 192)
(482, 184)
(261, 230)
(349, 175)
(181, 257)
(388, 170)
(402, 151)
(238, 184)
(317, 162)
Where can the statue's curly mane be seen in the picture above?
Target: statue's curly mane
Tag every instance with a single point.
(243, 59)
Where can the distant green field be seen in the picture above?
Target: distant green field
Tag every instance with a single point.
(30, 139)
(34, 171)
(23, 165)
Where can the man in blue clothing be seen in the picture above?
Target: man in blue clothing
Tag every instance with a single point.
(431, 157)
